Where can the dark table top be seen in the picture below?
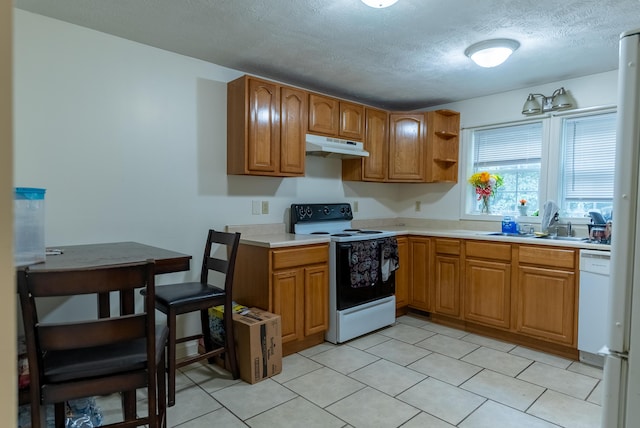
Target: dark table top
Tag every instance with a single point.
(92, 255)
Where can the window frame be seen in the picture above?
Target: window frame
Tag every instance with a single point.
(551, 161)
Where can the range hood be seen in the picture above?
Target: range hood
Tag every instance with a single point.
(334, 147)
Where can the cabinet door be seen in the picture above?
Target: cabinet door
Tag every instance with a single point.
(376, 142)
(487, 292)
(316, 299)
(293, 129)
(447, 285)
(419, 295)
(351, 121)
(324, 115)
(546, 301)
(288, 290)
(264, 127)
(406, 147)
(402, 273)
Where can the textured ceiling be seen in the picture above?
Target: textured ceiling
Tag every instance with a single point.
(408, 56)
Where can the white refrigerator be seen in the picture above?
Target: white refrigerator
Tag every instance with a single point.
(621, 401)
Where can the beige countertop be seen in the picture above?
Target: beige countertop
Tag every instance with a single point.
(283, 239)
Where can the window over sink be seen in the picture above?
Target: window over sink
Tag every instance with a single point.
(567, 157)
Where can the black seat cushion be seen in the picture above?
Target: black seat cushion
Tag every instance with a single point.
(188, 292)
(62, 366)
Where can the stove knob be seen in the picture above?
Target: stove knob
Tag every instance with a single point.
(342, 210)
(326, 210)
(309, 211)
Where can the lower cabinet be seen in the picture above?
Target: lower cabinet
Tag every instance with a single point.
(402, 273)
(420, 273)
(446, 280)
(512, 291)
(487, 285)
(546, 296)
(292, 282)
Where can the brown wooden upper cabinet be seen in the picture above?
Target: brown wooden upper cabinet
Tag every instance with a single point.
(336, 118)
(443, 127)
(266, 128)
(376, 142)
(407, 148)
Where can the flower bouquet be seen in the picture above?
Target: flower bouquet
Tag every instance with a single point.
(485, 185)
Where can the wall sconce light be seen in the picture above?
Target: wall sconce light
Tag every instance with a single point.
(379, 4)
(559, 100)
(490, 53)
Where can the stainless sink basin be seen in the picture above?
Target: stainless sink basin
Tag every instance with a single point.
(556, 238)
(501, 234)
(564, 238)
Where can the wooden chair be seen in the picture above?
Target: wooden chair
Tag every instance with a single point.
(182, 298)
(97, 356)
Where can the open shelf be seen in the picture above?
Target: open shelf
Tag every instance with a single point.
(446, 134)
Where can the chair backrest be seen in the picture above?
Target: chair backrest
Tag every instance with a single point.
(224, 266)
(124, 278)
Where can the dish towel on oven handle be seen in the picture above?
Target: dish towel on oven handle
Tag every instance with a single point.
(364, 263)
(389, 256)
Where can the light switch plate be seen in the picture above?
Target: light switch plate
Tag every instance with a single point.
(255, 207)
(265, 207)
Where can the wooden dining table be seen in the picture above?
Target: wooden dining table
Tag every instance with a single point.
(103, 254)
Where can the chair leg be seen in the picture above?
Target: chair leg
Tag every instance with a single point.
(162, 392)
(230, 345)
(206, 333)
(171, 360)
(129, 405)
(59, 416)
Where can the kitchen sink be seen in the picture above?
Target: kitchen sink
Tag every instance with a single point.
(555, 238)
(501, 234)
(564, 238)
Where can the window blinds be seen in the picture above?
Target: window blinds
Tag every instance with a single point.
(519, 144)
(589, 157)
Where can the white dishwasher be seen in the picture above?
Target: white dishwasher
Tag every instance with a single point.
(593, 304)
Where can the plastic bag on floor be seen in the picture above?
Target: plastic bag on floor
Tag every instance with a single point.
(81, 413)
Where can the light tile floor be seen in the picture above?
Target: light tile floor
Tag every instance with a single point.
(412, 374)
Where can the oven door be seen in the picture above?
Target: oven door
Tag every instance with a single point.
(358, 274)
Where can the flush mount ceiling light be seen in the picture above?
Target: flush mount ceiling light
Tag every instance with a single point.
(559, 100)
(379, 4)
(490, 53)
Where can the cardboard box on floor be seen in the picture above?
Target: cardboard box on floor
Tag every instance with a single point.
(258, 344)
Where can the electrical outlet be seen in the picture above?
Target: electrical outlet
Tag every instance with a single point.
(418, 205)
(255, 207)
(355, 206)
(265, 207)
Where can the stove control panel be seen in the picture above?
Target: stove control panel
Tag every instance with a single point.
(320, 212)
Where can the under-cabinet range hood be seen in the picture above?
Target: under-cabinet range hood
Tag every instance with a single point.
(334, 147)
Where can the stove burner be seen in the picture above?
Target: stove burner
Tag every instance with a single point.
(370, 231)
(319, 233)
(353, 230)
(341, 234)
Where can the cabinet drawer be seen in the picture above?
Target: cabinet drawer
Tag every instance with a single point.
(554, 257)
(488, 250)
(448, 246)
(296, 256)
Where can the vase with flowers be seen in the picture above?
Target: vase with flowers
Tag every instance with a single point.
(485, 185)
(522, 207)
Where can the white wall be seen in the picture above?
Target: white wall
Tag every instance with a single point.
(130, 143)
